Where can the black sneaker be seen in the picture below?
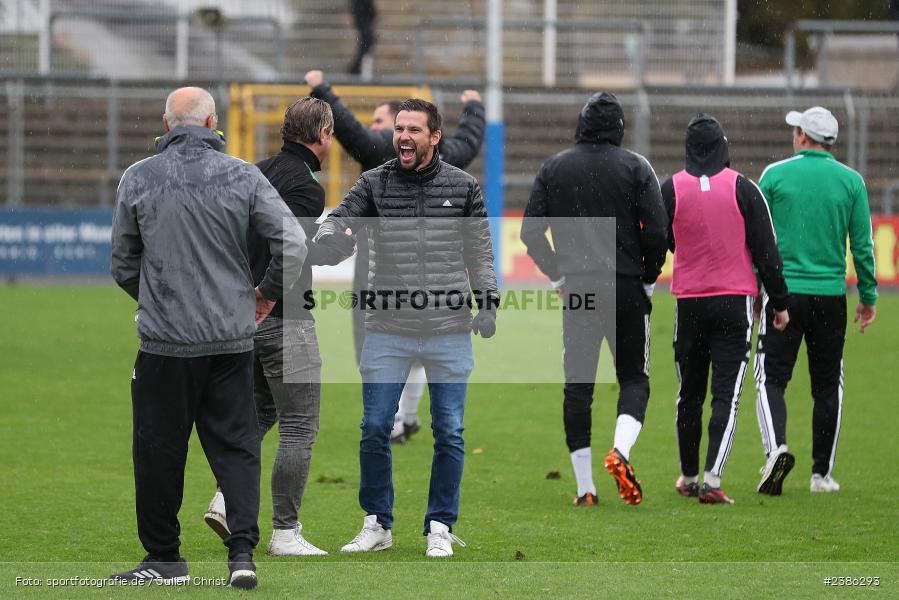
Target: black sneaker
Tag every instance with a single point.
(776, 468)
(161, 572)
(243, 571)
(687, 490)
(410, 429)
(402, 431)
(398, 433)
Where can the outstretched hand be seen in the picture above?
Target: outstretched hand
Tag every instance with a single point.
(331, 248)
(344, 242)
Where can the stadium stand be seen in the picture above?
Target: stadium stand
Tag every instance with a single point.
(67, 154)
(56, 147)
(257, 40)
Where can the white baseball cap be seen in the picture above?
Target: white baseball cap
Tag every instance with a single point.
(818, 122)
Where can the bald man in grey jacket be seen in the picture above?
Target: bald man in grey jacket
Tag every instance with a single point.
(179, 247)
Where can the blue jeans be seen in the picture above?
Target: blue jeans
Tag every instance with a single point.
(385, 364)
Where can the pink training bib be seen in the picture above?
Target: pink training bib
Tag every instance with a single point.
(710, 257)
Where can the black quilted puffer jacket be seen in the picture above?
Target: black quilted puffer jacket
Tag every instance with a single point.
(431, 253)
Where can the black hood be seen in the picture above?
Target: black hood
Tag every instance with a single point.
(706, 146)
(601, 120)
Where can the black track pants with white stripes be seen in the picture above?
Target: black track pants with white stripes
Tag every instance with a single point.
(821, 320)
(619, 312)
(716, 331)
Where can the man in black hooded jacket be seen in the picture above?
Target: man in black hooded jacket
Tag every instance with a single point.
(721, 233)
(575, 194)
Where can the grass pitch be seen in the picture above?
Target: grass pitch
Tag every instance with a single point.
(67, 506)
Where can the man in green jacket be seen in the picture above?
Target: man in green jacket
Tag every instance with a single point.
(815, 203)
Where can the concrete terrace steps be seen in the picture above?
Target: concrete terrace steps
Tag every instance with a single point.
(66, 144)
(66, 138)
(323, 36)
(449, 51)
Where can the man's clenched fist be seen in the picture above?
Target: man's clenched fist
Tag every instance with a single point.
(314, 78)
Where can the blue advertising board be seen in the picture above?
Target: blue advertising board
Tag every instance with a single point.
(55, 242)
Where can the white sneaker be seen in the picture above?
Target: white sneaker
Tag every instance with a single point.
(372, 538)
(402, 430)
(290, 542)
(822, 483)
(215, 515)
(397, 434)
(779, 464)
(440, 541)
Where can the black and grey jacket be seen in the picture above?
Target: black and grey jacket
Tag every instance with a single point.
(429, 233)
(179, 245)
(373, 148)
(579, 187)
(292, 173)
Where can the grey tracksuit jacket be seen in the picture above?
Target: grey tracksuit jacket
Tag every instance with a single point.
(179, 245)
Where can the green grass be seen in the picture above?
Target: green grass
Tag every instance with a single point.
(66, 487)
(528, 351)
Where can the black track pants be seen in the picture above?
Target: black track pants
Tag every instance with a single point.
(714, 331)
(821, 320)
(169, 395)
(622, 317)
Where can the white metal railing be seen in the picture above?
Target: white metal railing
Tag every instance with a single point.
(19, 16)
(889, 192)
(630, 51)
(655, 121)
(668, 43)
(146, 32)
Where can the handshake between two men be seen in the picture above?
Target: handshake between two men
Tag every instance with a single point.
(332, 246)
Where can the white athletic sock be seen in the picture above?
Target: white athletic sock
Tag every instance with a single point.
(713, 480)
(412, 393)
(627, 429)
(583, 471)
(688, 480)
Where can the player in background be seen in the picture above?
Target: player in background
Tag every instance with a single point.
(371, 148)
(597, 178)
(720, 231)
(816, 203)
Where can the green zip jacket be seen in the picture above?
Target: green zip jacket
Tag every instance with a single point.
(816, 202)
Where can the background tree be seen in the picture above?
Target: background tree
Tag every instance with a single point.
(763, 22)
